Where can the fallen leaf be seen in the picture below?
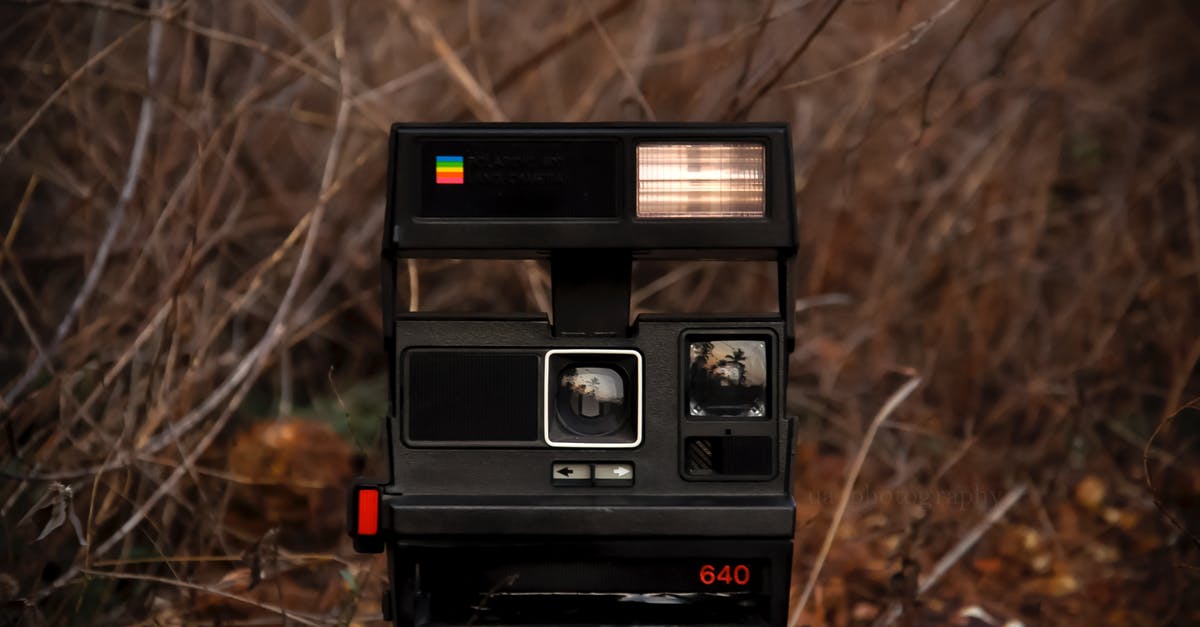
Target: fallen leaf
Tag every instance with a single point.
(313, 588)
(291, 474)
(977, 613)
(1090, 492)
(1103, 553)
(1030, 539)
(988, 565)
(1055, 586)
(1124, 519)
(864, 612)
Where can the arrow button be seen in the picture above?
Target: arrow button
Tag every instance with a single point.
(571, 474)
(619, 474)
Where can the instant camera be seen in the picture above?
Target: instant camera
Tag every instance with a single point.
(574, 467)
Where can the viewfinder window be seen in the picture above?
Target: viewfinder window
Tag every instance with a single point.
(727, 379)
(701, 180)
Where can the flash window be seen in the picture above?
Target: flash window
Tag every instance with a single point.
(701, 180)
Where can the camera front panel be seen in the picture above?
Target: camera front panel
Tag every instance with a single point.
(491, 397)
(504, 407)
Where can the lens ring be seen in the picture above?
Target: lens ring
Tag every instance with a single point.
(591, 399)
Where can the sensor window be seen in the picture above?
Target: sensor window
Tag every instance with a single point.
(701, 180)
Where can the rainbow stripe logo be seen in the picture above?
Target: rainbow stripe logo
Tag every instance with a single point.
(449, 170)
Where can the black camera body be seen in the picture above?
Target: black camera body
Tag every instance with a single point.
(581, 468)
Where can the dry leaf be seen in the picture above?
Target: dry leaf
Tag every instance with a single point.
(1055, 586)
(293, 475)
(864, 612)
(1041, 563)
(988, 565)
(1090, 492)
(1124, 519)
(1103, 553)
(60, 499)
(313, 588)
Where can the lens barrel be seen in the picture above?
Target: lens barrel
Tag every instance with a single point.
(593, 398)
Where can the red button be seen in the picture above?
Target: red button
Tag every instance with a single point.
(368, 512)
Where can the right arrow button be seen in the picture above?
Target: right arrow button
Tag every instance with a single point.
(619, 474)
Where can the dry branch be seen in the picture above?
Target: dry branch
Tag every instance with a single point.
(959, 549)
(839, 511)
(481, 102)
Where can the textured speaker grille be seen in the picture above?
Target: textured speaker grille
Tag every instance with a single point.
(466, 396)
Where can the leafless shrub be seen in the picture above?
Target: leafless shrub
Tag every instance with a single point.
(999, 196)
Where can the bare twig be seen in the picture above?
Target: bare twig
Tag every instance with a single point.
(937, 71)
(906, 40)
(1158, 504)
(15, 225)
(141, 137)
(22, 318)
(747, 61)
(75, 76)
(414, 288)
(1009, 45)
(823, 300)
(556, 44)
(475, 30)
(738, 109)
(275, 609)
(956, 552)
(753, 28)
(620, 63)
(675, 275)
(890, 406)
(252, 363)
(165, 488)
(480, 100)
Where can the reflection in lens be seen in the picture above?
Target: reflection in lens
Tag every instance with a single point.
(728, 378)
(591, 400)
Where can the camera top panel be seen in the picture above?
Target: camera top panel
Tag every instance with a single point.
(525, 190)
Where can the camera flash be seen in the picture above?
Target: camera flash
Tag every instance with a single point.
(701, 180)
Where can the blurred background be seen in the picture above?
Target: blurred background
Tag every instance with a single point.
(998, 197)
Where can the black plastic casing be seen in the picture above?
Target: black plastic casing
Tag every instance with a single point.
(447, 502)
(411, 232)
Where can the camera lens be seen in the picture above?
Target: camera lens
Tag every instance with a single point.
(727, 379)
(591, 400)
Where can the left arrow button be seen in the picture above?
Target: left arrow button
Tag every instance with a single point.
(571, 474)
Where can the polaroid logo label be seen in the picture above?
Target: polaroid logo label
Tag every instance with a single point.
(500, 179)
(512, 168)
(449, 169)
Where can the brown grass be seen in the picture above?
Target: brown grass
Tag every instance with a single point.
(1000, 197)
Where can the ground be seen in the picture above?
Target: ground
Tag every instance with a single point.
(997, 201)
